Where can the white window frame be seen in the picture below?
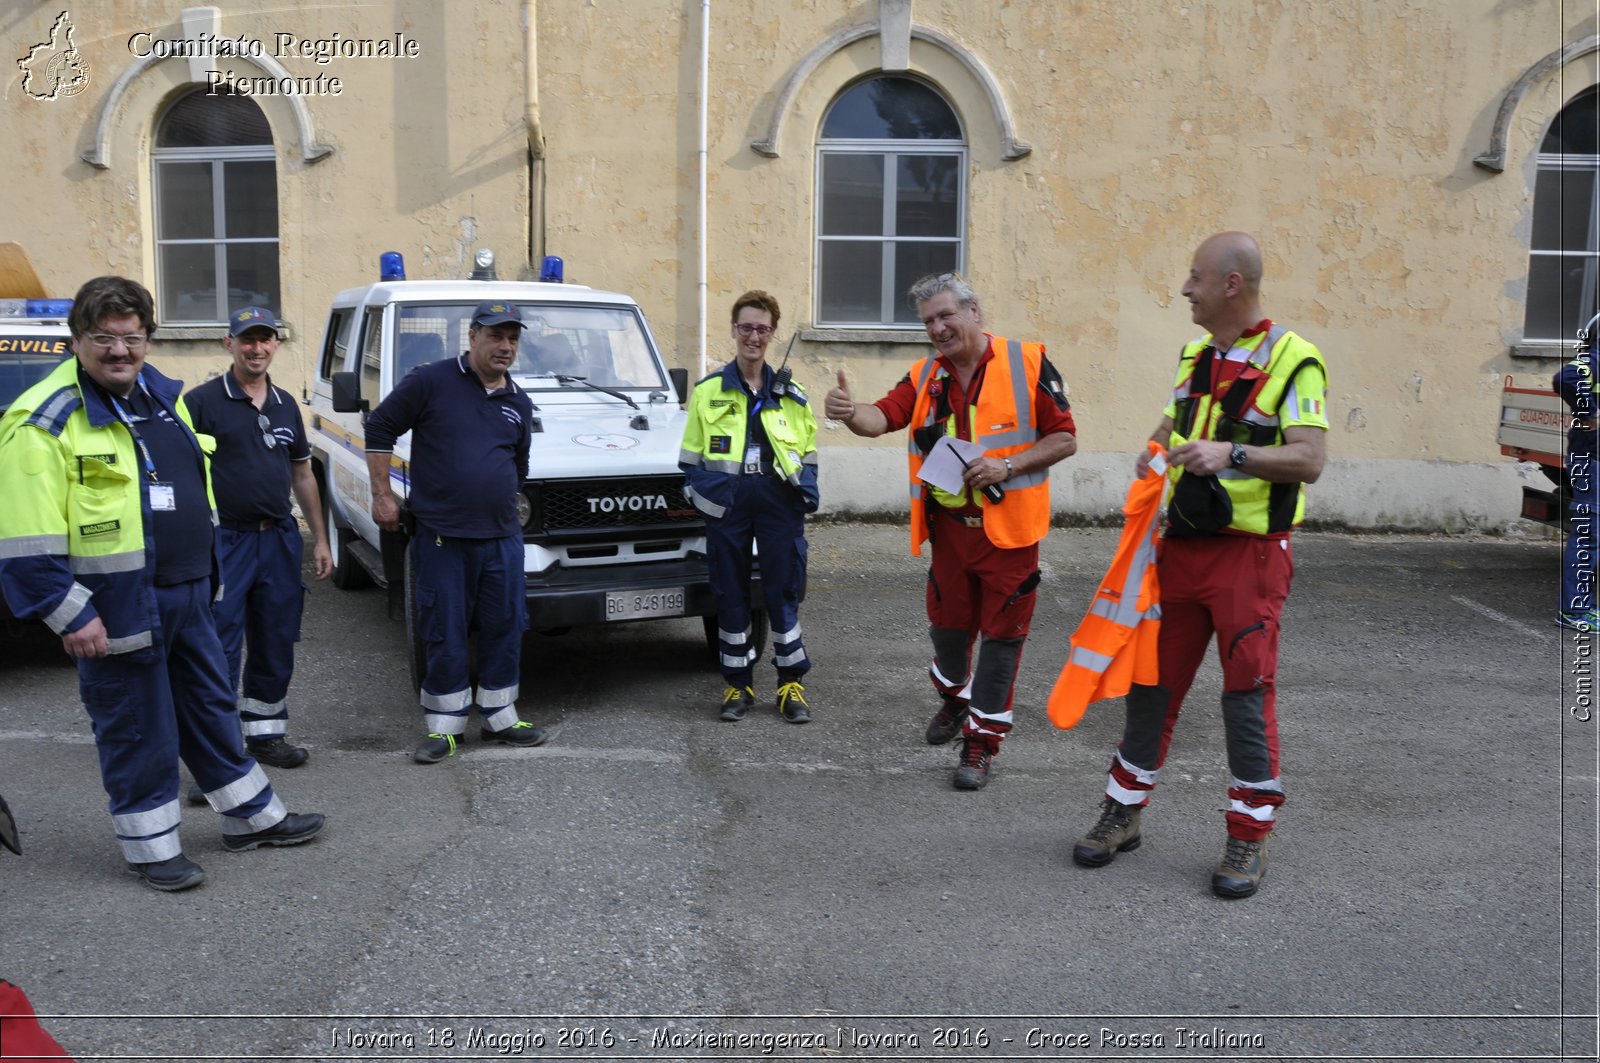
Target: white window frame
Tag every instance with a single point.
(220, 242)
(1590, 254)
(888, 239)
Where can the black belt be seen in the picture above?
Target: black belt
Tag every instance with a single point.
(251, 525)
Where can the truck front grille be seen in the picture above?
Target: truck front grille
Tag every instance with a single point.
(645, 504)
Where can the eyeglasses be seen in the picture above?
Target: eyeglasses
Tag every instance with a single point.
(104, 341)
(266, 431)
(744, 328)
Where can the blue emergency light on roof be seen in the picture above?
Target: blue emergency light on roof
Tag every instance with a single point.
(391, 266)
(38, 309)
(552, 270)
(48, 307)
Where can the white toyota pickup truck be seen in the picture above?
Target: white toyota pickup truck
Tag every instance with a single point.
(608, 534)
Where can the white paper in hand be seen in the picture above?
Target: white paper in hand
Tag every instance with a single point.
(943, 468)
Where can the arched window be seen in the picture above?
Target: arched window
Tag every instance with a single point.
(891, 200)
(1564, 252)
(216, 209)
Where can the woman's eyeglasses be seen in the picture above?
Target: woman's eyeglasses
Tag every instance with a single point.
(746, 329)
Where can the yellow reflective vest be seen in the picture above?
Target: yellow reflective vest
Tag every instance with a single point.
(74, 530)
(1282, 383)
(713, 448)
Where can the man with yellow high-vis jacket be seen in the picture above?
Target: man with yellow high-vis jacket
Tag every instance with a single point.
(749, 461)
(1246, 430)
(1005, 396)
(107, 535)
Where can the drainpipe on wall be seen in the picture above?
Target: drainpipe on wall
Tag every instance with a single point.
(530, 117)
(705, 88)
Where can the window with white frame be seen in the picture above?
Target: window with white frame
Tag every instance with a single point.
(891, 200)
(1564, 251)
(216, 209)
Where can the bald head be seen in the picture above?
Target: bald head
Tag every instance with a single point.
(1233, 252)
(1224, 285)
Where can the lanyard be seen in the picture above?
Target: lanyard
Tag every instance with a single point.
(127, 422)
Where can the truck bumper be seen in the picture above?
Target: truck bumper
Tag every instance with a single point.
(567, 597)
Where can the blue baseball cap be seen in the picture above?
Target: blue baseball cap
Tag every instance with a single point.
(489, 314)
(242, 321)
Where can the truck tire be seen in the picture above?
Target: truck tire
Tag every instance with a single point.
(347, 574)
(758, 633)
(416, 648)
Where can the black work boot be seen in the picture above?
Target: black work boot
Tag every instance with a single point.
(276, 753)
(169, 875)
(1116, 831)
(947, 722)
(977, 753)
(1243, 864)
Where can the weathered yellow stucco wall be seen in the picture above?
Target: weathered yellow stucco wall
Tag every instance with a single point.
(1341, 134)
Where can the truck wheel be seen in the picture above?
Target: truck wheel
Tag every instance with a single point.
(347, 575)
(758, 633)
(416, 648)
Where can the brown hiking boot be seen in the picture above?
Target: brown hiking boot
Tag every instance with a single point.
(976, 756)
(946, 723)
(1117, 831)
(1243, 864)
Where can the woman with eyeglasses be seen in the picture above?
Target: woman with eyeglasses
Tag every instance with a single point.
(749, 462)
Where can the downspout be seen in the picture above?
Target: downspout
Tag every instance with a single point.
(705, 88)
(530, 118)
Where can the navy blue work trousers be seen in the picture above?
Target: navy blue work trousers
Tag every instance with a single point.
(149, 714)
(258, 620)
(768, 512)
(466, 586)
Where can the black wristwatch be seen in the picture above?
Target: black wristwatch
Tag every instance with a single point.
(1237, 460)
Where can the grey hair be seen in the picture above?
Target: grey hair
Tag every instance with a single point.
(934, 283)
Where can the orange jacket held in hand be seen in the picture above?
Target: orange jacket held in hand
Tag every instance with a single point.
(1115, 645)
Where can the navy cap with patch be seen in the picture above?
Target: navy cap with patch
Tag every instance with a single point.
(489, 314)
(242, 321)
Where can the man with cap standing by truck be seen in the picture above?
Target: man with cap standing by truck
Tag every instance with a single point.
(471, 429)
(261, 455)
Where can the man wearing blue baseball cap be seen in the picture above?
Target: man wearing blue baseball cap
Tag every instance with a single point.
(262, 455)
(471, 429)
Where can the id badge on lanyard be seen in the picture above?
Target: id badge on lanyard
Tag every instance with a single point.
(752, 460)
(162, 498)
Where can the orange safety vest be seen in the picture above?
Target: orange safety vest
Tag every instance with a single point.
(1002, 423)
(1115, 645)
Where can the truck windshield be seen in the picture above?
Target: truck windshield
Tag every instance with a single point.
(605, 346)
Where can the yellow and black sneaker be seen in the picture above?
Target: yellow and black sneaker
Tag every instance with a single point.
(435, 747)
(736, 701)
(792, 702)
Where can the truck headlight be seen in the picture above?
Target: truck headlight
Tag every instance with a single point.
(524, 510)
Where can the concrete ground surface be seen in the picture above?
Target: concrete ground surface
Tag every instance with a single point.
(655, 883)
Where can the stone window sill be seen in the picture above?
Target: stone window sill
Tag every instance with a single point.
(864, 335)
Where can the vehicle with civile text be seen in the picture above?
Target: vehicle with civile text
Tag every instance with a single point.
(33, 339)
(608, 535)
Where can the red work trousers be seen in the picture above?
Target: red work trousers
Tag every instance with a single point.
(976, 587)
(1233, 587)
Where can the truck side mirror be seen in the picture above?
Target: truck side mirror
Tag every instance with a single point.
(347, 393)
(680, 383)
